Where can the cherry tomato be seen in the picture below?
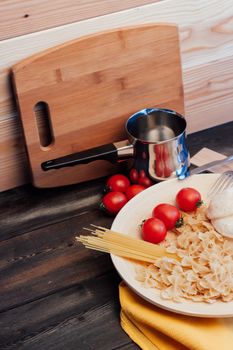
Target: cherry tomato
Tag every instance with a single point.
(188, 199)
(169, 214)
(112, 202)
(118, 183)
(153, 230)
(133, 175)
(142, 173)
(144, 155)
(145, 181)
(133, 190)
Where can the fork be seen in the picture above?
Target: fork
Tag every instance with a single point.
(224, 181)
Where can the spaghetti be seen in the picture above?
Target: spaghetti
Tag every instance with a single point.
(108, 241)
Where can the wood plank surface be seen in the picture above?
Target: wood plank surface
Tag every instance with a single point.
(19, 18)
(83, 315)
(45, 267)
(55, 294)
(209, 90)
(25, 208)
(66, 293)
(206, 41)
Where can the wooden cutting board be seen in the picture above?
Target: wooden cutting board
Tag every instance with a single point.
(78, 95)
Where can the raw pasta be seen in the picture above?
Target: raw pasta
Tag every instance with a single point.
(205, 272)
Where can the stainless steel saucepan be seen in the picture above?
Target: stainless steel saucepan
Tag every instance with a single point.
(156, 142)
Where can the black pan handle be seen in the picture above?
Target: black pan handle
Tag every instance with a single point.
(106, 152)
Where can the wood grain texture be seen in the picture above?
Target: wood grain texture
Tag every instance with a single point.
(205, 40)
(46, 259)
(84, 316)
(19, 18)
(24, 207)
(134, 67)
(209, 91)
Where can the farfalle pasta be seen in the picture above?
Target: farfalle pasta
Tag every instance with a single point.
(205, 272)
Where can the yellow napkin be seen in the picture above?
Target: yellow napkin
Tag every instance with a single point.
(153, 328)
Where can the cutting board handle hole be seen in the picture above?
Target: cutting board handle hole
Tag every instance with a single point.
(44, 126)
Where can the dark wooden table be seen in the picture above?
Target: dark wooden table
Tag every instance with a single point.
(55, 294)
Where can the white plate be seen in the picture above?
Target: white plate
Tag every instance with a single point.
(127, 221)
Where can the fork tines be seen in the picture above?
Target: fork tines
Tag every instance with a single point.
(224, 181)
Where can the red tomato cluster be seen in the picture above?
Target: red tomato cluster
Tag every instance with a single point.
(139, 178)
(120, 189)
(166, 216)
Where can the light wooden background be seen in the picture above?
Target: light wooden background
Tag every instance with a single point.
(206, 40)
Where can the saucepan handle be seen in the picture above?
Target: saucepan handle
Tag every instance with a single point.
(111, 152)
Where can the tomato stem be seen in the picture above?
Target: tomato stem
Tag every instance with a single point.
(106, 189)
(199, 204)
(141, 224)
(102, 206)
(179, 222)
